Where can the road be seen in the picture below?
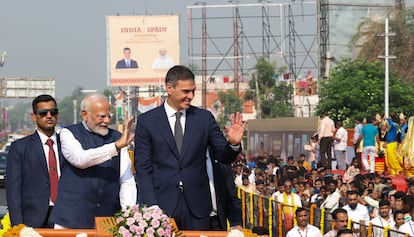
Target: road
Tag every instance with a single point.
(3, 202)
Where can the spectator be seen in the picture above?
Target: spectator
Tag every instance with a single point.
(303, 228)
(352, 171)
(384, 219)
(332, 200)
(356, 212)
(340, 222)
(340, 144)
(289, 200)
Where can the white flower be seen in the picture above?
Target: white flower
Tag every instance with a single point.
(235, 233)
(29, 232)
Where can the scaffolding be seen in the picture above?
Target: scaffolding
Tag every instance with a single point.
(227, 39)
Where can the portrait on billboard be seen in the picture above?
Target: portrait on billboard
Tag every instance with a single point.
(163, 61)
(141, 49)
(126, 62)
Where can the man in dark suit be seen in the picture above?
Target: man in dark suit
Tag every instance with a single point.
(170, 157)
(226, 204)
(126, 62)
(29, 190)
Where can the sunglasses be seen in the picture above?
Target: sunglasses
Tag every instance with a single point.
(43, 112)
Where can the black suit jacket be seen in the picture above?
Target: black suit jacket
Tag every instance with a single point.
(228, 205)
(121, 64)
(160, 167)
(27, 181)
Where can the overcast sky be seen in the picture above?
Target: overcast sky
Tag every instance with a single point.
(66, 40)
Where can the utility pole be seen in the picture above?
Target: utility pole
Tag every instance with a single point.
(386, 57)
(259, 109)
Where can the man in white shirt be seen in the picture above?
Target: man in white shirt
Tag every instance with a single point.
(383, 220)
(98, 180)
(408, 227)
(340, 222)
(357, 132)
(341, 138)
(303, 229)
(289, 200)
(332, 200)
(325, 135)
(356, 212)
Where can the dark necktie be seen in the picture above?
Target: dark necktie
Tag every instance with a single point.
(53, 173)
(178, 131)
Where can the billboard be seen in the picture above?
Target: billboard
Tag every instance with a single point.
(141, 49)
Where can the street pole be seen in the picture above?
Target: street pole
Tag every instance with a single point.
(386, 57)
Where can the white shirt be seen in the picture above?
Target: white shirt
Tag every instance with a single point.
(357, 132)
(310, 231)
(74, 153)
(211, 183)
(360, 213)
(327, 128)
(171, 116)
(408, 228)
(381, 222)
(163, 62)
(296, 199)
(43, 139)
(343, 135)
(332, 201)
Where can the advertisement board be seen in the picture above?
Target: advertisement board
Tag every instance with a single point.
(141, 49)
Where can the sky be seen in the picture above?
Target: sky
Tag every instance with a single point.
(66, 40)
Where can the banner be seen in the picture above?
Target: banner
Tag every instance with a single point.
(141, 49)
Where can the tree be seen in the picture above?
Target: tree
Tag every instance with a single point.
(368, 44)
(276, 102)
(66, 107)
(275, 98)
(232, 104)
(356, 89)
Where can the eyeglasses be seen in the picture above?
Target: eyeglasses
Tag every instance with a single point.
(103, 116)
(43, 112)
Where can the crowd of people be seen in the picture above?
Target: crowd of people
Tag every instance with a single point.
(363, 188)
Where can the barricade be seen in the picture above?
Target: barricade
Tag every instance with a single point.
(258, 210)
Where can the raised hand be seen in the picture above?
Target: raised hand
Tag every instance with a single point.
(127, 135)
(236, 129)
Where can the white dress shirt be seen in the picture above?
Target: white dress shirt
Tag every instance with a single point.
(211, 184)
(381, 222)
(342, 134)
(332, 201)
(360, 213)
(74, 153)
(407, 227)
(296, 199)
(327, 128)
(310, 231)
(43, 139)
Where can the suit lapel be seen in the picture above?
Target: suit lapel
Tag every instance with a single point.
(38, 152)
(165, 129)
(189, 131)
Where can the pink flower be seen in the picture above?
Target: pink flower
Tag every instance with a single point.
(160, 232)
(155, 223)
(130, 221)
(119, 219)
(150, 232)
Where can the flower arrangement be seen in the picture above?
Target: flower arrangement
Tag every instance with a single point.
(5, 223)
(142, 221)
